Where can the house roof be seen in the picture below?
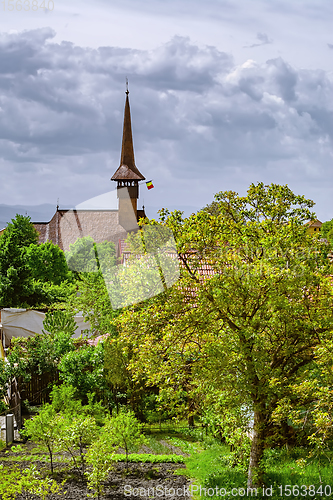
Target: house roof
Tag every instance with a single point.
(314, 223)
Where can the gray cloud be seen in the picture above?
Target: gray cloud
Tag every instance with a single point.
(330, 45)
(200, 121)
(263, 40)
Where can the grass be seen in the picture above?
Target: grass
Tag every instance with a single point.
(209, 470)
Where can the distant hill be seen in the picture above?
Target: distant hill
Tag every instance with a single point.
(38, 213)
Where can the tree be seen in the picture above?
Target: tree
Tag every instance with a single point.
(86, 256)
(47, 263)
(125, 431)
(45, 428)
(78, 432)
(93, 301)
(84, 370)
(99, 459)
(252, 323)
(15, 275)
(31, 275)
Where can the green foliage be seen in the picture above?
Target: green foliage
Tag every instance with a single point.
(249, 329)
(77, 433)
(45, 429)
(86, 256)
(42, 353)
(15, 481)
(47, 263)
(99, 458)
(59, 321)
(93, 300)
(230, 422)
(84, 370)
(15, 275)
(125, 431)
(4, 377)
(64, 400)
(30, 274)
(326, 231)
(116, 363)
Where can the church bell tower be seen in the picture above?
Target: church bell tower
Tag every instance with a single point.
(127, 176)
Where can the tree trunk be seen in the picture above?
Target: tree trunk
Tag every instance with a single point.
(255, 473)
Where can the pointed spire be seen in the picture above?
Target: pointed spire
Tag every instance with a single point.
(127, 169)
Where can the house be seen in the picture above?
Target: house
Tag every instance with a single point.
(314, 226)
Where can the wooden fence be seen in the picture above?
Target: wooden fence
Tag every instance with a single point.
(14, 401)
(37, 390)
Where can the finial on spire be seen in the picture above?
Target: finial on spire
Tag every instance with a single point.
(127, 91)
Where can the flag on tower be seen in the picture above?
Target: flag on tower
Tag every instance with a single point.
(149, 185)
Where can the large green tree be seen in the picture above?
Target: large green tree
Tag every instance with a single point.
(252, 304)
(15, 275)
(31, 275)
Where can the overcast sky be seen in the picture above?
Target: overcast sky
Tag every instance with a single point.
(223, 93)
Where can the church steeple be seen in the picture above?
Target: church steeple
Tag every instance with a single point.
(127, 175)
(127, 169)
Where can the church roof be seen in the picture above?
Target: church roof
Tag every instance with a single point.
(127, 169)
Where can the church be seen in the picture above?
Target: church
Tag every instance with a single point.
(67, 225)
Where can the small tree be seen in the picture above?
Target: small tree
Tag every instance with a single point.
(125, 431)
(45, 428)
(76, 434)
(99, 458)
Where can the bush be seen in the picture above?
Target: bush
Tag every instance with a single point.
(15, 481)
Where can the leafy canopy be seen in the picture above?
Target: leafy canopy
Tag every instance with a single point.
(31, 275)
(253, 321)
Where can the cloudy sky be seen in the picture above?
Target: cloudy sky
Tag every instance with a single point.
(223, 93)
